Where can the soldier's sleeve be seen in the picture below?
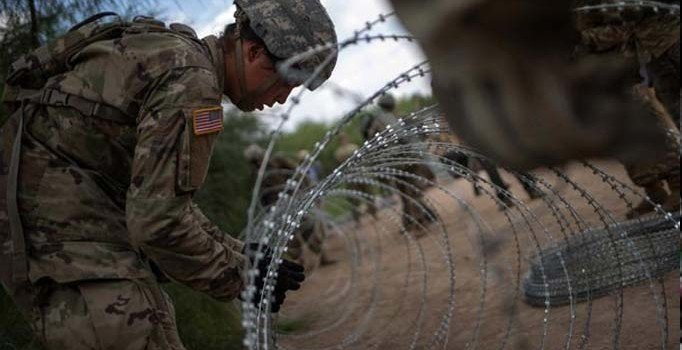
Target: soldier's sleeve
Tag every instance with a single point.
(211, 228)
(176, 130)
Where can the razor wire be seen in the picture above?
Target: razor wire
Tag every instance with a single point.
(543, 262)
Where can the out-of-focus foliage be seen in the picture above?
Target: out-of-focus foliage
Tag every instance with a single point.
(204, 323)
(308, 133)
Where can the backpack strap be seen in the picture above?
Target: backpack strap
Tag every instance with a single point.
(56, 98)
(93, 18)
(21, 285)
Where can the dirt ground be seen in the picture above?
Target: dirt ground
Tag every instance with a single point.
(389, 292)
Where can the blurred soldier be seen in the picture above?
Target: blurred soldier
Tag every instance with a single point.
(416, 211)
(315, 170)
(277, 172)
(476, 164)
(344, 151)
(652, 175)
(505, 77)
(375, 123)
(110, 135)
(346, 148)
(654, 42)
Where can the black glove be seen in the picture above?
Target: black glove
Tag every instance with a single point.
(289, 275)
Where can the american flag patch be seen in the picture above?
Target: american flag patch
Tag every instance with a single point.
(207, 120)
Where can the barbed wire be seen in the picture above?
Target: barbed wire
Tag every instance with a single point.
(468, 264)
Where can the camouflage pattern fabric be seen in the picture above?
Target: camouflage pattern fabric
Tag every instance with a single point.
(495, 65)
(659, 167)
(278, 171)
(118, 314)
(649, 36)
(344, 152)
(654, 41)
(290, 27)
(665, 72)
(311, 235)
(415, 210)
(376, 123)
(99, 199)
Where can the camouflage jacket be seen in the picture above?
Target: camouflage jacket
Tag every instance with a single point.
(632, 30)
(376, 123)
(344, 152)
(99, 198)
(278, 171)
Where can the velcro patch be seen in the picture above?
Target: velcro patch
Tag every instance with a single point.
(207, 120)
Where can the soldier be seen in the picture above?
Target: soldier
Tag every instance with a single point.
(110, 134)
(344, 151)
(416, 212)
(653, 42)
(375, 123)
(505, 78)
(315, 170)
(277, 172)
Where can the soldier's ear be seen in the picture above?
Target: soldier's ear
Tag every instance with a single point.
(255, 53)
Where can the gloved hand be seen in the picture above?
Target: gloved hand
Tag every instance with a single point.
(289, 275)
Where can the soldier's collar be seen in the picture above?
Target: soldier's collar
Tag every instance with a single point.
(215, 48)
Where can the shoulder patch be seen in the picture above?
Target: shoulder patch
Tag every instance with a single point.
(207, 120)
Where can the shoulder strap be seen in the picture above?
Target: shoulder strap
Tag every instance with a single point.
(92, 19)
(20, 279)
(34, 68)
(57, 98)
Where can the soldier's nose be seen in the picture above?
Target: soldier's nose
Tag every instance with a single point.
(282, 98)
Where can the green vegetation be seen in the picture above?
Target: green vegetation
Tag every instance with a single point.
(205, 323)
(308, 133)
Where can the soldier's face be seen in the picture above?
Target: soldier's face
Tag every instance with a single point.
(259, 70)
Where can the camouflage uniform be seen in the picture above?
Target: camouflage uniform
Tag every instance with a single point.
(415, 211)
(655, 42)
(343, 152)
(278, 171)
(100, 199)
(504, 75)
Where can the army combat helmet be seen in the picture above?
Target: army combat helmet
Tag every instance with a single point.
(288, 28)
(387, 102)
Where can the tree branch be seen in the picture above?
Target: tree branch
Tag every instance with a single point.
(35, 39)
